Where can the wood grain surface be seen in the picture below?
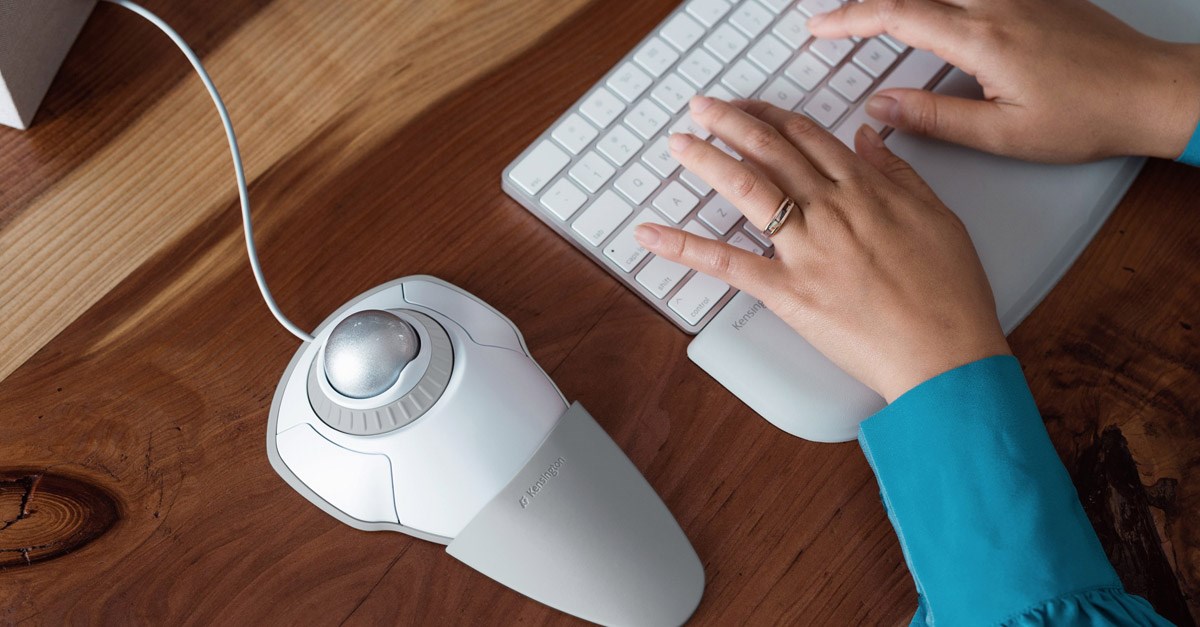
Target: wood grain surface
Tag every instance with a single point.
(139, 363)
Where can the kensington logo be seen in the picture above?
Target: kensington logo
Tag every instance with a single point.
(544, 479)
(749, 315)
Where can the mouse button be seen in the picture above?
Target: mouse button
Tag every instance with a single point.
(482, 323)
(359, 485)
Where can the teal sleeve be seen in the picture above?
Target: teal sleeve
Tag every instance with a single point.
(1191, 154)
(988, 519)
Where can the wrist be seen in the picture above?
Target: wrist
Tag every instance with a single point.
(1173, 103)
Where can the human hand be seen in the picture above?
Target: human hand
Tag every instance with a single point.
(871, 268)
(1063, 80)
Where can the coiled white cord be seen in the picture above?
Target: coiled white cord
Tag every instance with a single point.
(243, 193)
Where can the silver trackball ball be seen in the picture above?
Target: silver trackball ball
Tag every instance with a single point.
(367, 351)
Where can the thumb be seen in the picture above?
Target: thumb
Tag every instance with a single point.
(974, 123)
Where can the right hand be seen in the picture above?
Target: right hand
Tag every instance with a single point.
(1063, 80)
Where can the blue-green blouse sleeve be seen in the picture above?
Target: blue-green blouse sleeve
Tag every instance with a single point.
(1191, 154)
(988, 519)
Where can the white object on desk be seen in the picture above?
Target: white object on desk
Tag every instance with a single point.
(35, 36)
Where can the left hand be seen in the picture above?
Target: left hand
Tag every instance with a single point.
(871, 268)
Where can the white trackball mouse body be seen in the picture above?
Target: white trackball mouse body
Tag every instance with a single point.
(418, 408)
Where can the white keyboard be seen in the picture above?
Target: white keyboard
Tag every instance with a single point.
(603, 168)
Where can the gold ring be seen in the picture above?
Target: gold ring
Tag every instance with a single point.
(781, 216)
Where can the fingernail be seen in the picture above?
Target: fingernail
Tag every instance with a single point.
(884, 108)
(700, 103)
(679, 141)
(646, 236)
(871, 136)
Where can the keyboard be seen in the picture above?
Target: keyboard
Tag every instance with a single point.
(603, 167)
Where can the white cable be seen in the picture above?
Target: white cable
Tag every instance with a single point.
(243, 193)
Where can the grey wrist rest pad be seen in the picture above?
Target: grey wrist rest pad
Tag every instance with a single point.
(579, 529)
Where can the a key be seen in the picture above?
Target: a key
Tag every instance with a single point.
(814, 7)
(673, 93)
(783, 93)
(602, 217)
(700, 67)
(685, 124)
(592, 172)
(793, 29)
(769, 53)
(832, 51)
(895, 44)
(675, 202)
(744, 78)
(695, 228)
(846, 130)
(574, 133)
(720, 214)
(658, 157)
(563, 199)
(776, 6)
(850, 82)
(660, 276)
(602, 107)
(620, 144)
(726, 42)
(539, 166)
(825, 108)
(682, 31)
(751, 18)
(647, 118)
(741, 240)
(914, 71)
(695, 182)
(875, 57)
(629, 82)
(656, 56)
(624, 249)
(807, 71)
(697, 297)
(757, 236)
(637, 183)
(719, 92)
(708, 11)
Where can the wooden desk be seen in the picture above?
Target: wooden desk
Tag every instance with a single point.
(139, 362)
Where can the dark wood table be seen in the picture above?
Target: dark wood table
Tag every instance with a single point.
(139, 362)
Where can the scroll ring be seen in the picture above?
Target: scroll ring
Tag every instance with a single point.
(781, 215)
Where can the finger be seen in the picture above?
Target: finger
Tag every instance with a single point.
(741, 269)
(871, 148)
(924, 24)
(748, 189)
(974, 123)
(759, 143)
(826, 153)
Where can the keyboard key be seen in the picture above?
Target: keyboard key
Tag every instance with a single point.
(563, 199)
(539, 166)
(700, 67)
(697, 297)
(813, 7)
(719, 92)
(825, 108)
(807, 71)
(776, 6)
(619, 145)
(647, 118)
(720, 214)
(793, 29)
(602, 107)
(603, 217)
(743, 241)
(846, 130)
(629, 82)
(726, 42)
(673, 93)
(656, 56)
(624, 249)
(695, 182)
(770, 53)
(675, 202)
(751, 18)
(685, 124)
(708, 11)
(757, 236)
(658, 157)
(592, 172)
(744, 78)
(850, 82)
(783, 93)
(682, 31)
(574, 133)
(637, 183)
(695, 228)
(914, 71)
(895, 44)
(660, 276)
(875, 57)
(832, 51)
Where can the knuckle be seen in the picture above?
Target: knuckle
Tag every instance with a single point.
(889, 12)
(760, 138)
(925, 117)
(743, 183)
(719, 262)
(799, 126)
